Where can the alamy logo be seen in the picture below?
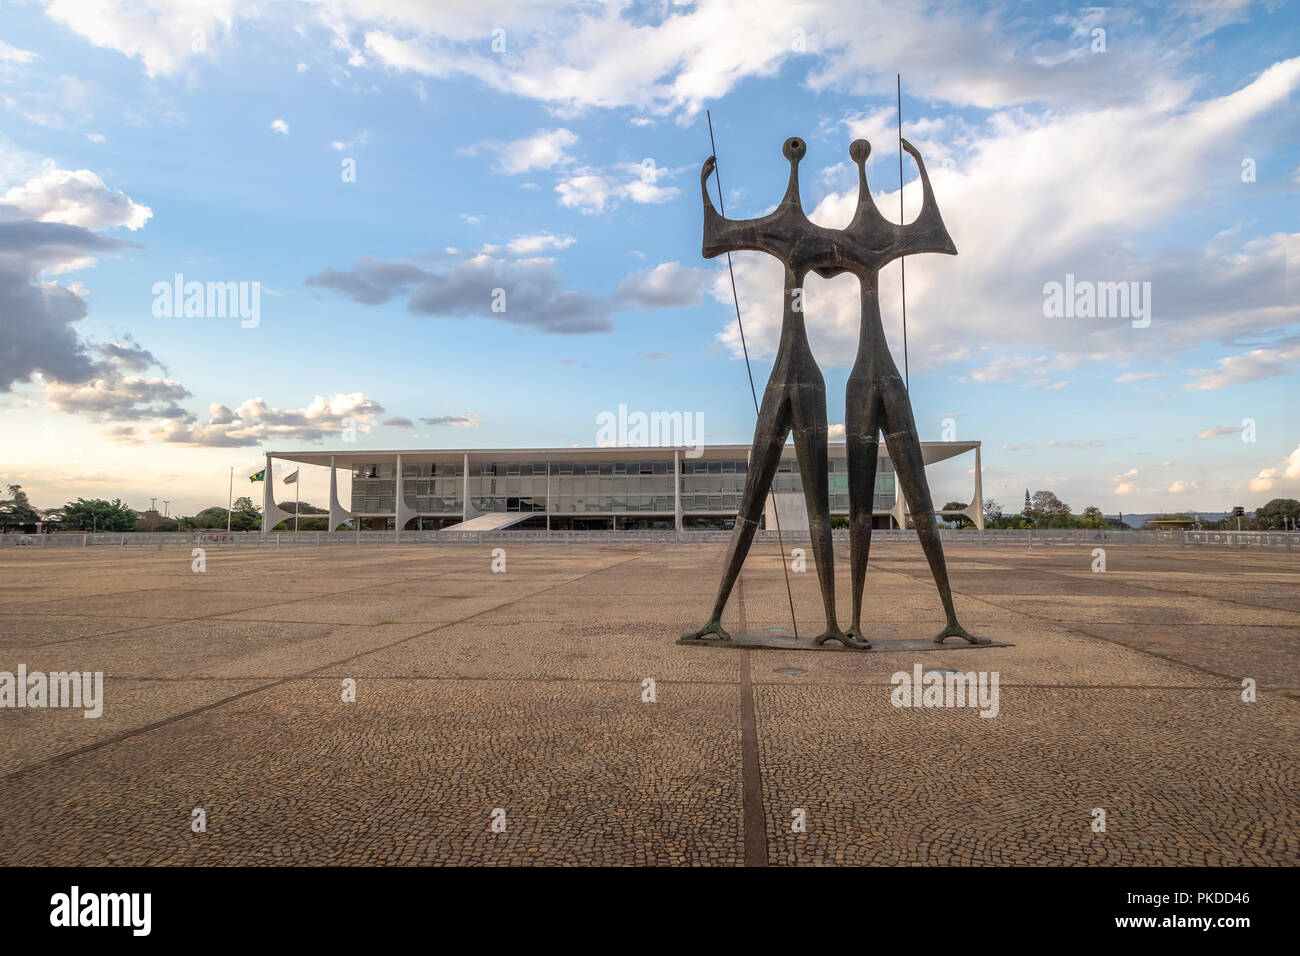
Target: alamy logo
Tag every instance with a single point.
(56, 689)
(657, 429)
(208, 300)
(946, 689)
(1098, 300)
(103, 909)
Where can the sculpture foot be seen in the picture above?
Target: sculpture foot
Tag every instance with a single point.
(855, 633)
(835, 634)
(714, 626)
(956, 630)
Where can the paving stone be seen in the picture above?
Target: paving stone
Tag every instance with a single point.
(523, 691)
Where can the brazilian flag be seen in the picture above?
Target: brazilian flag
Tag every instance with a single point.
(260, 476)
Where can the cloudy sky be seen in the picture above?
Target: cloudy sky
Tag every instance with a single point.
(379, 168)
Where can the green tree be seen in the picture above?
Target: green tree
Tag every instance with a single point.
(245, 516)
(1092, 518)
(16, 509)
(957, 521)
(1048, 511)
(97, 514)
(210, 519)
(1278, 515)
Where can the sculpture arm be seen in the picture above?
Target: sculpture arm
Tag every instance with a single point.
(927, 232)
(733, 235)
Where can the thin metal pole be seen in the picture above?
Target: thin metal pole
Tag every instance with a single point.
(902, 260)
(780, 540)
(230, 500)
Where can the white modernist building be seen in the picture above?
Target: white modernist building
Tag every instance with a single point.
(565, 488)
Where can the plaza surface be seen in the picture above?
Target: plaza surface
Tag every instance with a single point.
(524, 692)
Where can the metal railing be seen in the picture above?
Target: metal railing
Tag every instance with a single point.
(1048, 538)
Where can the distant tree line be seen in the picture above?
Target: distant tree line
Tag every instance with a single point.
(1042, 509)
(100, 514)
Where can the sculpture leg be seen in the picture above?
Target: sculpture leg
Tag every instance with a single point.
(905, 451)
(765, 456)
(809, 410)
(862, 420)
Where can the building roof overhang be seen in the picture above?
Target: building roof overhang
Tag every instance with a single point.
(932, 451)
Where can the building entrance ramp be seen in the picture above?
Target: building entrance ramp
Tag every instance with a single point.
(492, 522)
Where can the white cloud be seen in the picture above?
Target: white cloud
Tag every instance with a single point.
(1269, 477)
(1180, 487)
(875, 126)
(254, 422)
(1253, 366)
(466, 420)
(572, 57)
(1216, 432)
(545, 149)
(1025, 205)
(77, 198)
(116, 396)
(1028, 371)
(280, 126)
(1126, 483)
(591, 190)
(65, 104)
(588, 193)
(160, 33)
(667, 285)
(537, 242)
(361, 139)
(11, 54)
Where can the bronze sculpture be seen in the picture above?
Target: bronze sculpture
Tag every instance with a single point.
(875, 396)
(795, 396)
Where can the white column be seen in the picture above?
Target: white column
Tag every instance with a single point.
(272, 514)
(548, 496)
(677, 489)
(464, 496)
(979, 491)
(401, 513)
(899, 511)
(338, 514)
(268, 499)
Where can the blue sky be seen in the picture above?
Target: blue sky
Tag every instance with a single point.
(554, 151)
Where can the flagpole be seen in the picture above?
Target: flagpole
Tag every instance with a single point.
(295, 505)
(230, 501)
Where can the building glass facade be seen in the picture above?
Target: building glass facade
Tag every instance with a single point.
(709, 486)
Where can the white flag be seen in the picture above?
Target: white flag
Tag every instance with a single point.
(290, 479)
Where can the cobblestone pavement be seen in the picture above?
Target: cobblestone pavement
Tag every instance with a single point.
(519, 697)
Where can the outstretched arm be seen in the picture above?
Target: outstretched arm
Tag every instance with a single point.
(733, 235)
(927, 232)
